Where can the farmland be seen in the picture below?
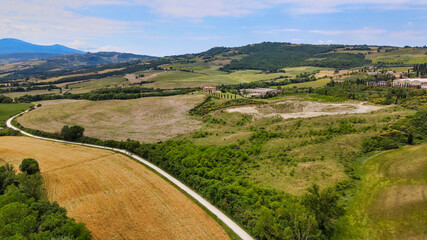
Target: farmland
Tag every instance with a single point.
(87, 86)
(392, 201)
(280, 166)
(146, 119)
(8, 110)
(115, 196)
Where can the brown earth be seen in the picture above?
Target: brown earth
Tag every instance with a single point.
(115, 196)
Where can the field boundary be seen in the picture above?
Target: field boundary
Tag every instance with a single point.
(215, 211)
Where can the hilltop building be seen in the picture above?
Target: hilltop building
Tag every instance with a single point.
(209, 89)
(411, 82)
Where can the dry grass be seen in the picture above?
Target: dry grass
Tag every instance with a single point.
(116, 197)
(149, 119)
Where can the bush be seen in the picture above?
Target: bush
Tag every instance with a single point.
(72, 133)
(29, 166)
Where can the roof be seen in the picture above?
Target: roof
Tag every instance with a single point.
(423, 80)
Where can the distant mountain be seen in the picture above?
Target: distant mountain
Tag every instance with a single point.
(23, 57)
(56, 64)
(11, 45)
(15, 50)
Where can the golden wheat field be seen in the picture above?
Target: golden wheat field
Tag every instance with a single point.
(115, 196)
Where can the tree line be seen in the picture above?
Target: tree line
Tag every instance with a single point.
(23, 212)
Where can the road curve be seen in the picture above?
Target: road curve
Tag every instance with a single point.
(226, 220)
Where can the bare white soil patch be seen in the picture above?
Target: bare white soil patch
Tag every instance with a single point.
(304, 109)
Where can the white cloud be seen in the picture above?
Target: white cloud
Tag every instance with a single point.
(365, 32)
(38, 20)
(203, 38)
(203, 8)
(107, 49)
(277, 31)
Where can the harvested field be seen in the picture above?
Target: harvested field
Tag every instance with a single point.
(149, 119)
(115, 196)
(304, 109)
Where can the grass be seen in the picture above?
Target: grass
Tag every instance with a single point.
(212, 76)
(87, 86)
(391, 203)
(34, 92)
(8, 110)
(146, 119)
(400, 56)
(298, 157)
(116, 197)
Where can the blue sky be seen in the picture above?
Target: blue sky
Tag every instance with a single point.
(167, 27)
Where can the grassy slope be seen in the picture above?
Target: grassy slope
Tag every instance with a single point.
(392, 201)
(116, 197)
(146, 119)
(402, 56)
(212, 76)
(88, 86)
(35, 92)
(271, 171)
(7, 110)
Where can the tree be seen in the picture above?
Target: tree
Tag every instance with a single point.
(72, 133)
(29, 166)
(31, 185)
(325, 207)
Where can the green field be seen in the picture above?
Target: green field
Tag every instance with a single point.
(91, 85)
(212, 76)
(34, 92)
(8, 110)
(403, 56)
(392, 201)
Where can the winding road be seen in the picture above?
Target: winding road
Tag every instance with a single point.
(226, 220)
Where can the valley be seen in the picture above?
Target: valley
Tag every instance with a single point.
(285, 139)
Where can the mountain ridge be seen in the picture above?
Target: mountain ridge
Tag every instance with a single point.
(13, 45)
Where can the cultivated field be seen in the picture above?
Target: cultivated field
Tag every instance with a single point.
(146, 119)
(392, 203)
(87, 86)
(8, 110)
(115, 196)
(212, 76)
(34, 92)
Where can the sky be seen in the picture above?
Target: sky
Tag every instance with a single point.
(170, 27)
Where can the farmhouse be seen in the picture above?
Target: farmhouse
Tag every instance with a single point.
(259, 92)
(209, 89)
(377, 84)
(411, 82)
